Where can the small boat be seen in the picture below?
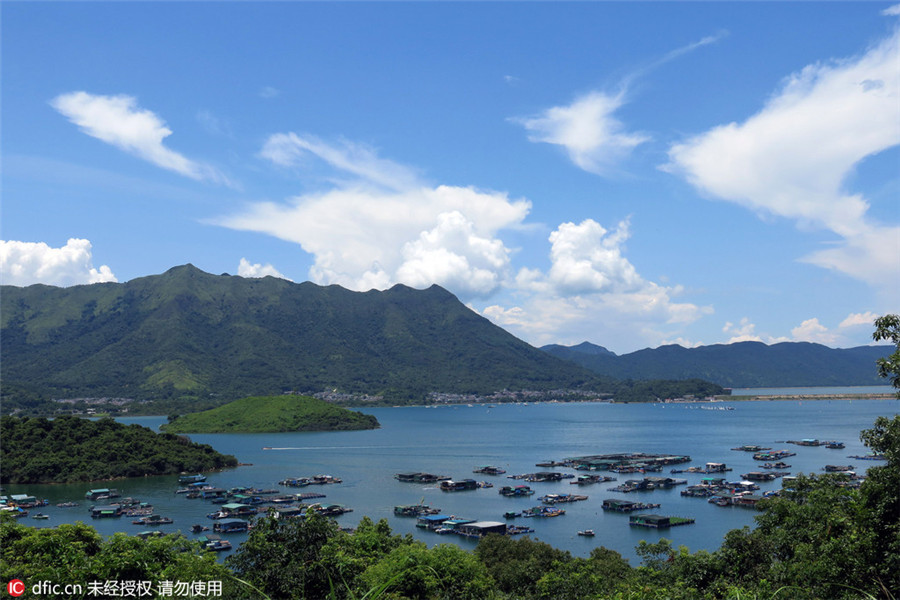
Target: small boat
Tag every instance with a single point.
(198, 528)
(586, 532)
(511, 515)
(66, 504)
(40, 516)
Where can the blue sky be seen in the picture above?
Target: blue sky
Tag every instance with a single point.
(630, 174)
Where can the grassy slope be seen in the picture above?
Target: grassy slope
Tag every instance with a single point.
(272, 414)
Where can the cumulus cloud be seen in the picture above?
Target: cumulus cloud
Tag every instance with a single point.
(744, 331)
(857, 319)
(813, 331)
(118, 121)
(248, 269)
(27, 263)
(587, 129)
(791, 159)
(592, 290)
(378, 224)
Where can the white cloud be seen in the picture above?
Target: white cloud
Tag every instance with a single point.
(813, 331)
(292, 150)
(27, 263)
(268, 92)
(745, 331)
(585, 259)
(857, 319)
(588, 130)
(248, 269)
(384, 226)
(892, 11)
(791, 159)
(118, 121)
(453, 255)
(592, 291)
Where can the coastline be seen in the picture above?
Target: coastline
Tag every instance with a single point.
(763, 398)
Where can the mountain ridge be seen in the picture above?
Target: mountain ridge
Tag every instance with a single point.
(189, 332)
(741, 364)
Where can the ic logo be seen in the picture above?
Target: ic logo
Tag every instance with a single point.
(15, 587)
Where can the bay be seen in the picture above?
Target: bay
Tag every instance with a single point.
(453, 440)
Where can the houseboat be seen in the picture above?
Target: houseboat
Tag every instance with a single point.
(519, 490)
(415, 510)
(458, 486)
(838, 468)
(185, 479)
(230, 526)
(759, 476)
(153, 520)
(590, 479)
(214, 543)
(657, 521)
(561, 498)
(625, 506)
(543, 511)
(431, 522)
(479, 529)
(101, 494)
(106, 512)
(489, 470)
(419, 477)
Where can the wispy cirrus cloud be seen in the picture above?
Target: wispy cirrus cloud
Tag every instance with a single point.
(594, 138)
(120, 122)
(27, 263)
(359, 160)
(793, 157)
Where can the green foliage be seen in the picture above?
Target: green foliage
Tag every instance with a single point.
(445, 572)
(517, 565)
(282, 557)
(272, 414)
(888, 328)
(69, 449)
(77, 554)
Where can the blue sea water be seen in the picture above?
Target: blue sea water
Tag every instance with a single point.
(453, 440)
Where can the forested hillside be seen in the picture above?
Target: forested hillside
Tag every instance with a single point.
(742, 364)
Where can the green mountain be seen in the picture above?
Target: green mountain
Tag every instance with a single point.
(272, 414)
(743, 364)
(186, 333)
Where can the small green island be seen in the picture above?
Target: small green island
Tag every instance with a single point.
(272, 414)
(71, 449)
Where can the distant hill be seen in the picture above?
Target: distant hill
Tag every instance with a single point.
(189, 333)
(742, 364)
(272, 414)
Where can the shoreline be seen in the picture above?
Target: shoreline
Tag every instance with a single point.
(762, 398)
